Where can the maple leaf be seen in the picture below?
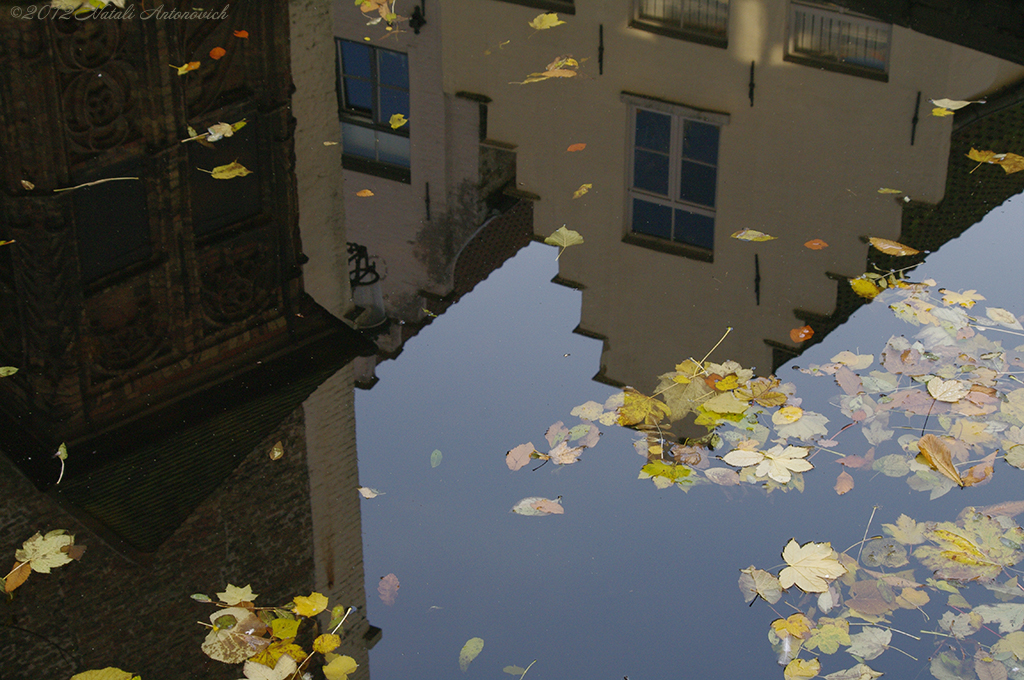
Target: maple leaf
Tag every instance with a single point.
(311, 605)
(964, 299)
(563, 238)
(776, 463)
(42, 553)
(869, 643)
(828, 635)
(639, 408)
(387, 588)
(812, 566)
(545, 21)
(233, 595)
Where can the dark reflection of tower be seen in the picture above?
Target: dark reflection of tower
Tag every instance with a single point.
(162, 329)
(702, 119)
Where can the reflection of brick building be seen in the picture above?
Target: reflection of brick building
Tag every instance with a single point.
(161, 328)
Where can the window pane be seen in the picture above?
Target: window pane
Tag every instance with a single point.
(697, 183)
(355, 59)
(358, 141)
(392, 102)
(697, 230)
(650, 172)
(700, 142)
(358, 95)
(652, 219)
(653, 131)
(394, 69)
(394, 149)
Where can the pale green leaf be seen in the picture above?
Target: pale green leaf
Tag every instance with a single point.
(470, 651)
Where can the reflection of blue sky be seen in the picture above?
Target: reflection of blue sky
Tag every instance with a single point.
(631, 580)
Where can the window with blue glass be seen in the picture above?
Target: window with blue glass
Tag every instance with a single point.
(373, 86)
(674, 175)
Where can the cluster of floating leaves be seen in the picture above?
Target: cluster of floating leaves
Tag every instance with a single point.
(264, 638)
(858, 598)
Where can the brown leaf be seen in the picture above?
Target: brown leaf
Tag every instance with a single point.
(801, 334)
(844, 482)
(19, 574)
(549, 507)
(519, 456)
(980, 473)
(388, 589)
(938, 456)
(816, 244)
(577, 147)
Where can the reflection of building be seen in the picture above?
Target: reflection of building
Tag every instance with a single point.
(701, 119)
(435, 179)
(162, 329)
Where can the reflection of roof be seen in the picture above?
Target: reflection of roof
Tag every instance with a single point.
(158, 475)
(969, 195)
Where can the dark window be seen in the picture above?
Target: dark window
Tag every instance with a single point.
(218, 203)
(674, 177)
(830, 37)
(112, 223)
(373, 86)
(705, 21)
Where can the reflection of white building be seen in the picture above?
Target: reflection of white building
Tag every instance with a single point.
(702, 118)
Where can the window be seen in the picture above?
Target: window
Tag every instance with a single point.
(373, 85)
(838, 40)
(673, 174)
(560, 6)
(703, 21)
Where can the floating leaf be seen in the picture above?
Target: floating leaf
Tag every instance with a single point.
(864, 287)
(816, 244)
(519, 456)
(939, 111)
(801, 334)
(892, 247)
(387, 588)
(232, 169)
(949, 391)
(217, 52)
(801, 669)
(18, 575)
(397, 120)
(812, 566)
(435, 458)
(109, 673)
(542, 22)
(364, 193)
(939, 457)
(751, 235)
(276, 451)
(869, 643)
(470, 651)
(241, 34)
(28, 186)
(954, 104)
(844, 483)
(563, 238)
(776, 463)
(639, 408)
(576, 147)
(43, 553)
(965, 299)
(859, 672)
(1010, 162)
(883, 190)
(284, 668)
(367, 492)
(190, 66)
(233, 595)
(758, 582)
(327, 642)
(1003, 318)
(536, 506)
(311, 605)
(340, 667)
(584, 188)
(236, 635)
(285, 629)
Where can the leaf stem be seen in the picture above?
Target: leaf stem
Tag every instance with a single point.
(866, 529)
(350, 610)
(89, 184)
(527, 668)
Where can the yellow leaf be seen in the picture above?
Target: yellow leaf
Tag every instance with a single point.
(865, 288)
(941, 112)
(639, 408)
(954, 104)
(584, 188)
(800, 669)
(108, 673)
(233, 595)
(340, 667)
(892, 247)
(1010, 162)
(285, 629)
(938, 456)
(812, 566)
(563, 238)
(190, 66)
(277, 451)
(232, 169)
(45, 552)
(397, 121)
(787, 414)
(949, 391)
(544, 21)
(797, 626)
(470, 651)
(964, 299)
(364, 193)
(327, 642)
(310, 606)
(889, 191)
(269, 656)
(751, 235)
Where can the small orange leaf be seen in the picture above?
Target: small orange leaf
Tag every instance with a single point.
(217, 52)
(364, 193)
(241, 34)
(185, 68)
(801, 334)
(17, 576)
(576, 147)
(816, 244)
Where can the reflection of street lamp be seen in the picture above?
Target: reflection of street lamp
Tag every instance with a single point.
(366, 293)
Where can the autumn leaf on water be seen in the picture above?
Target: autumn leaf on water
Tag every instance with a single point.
(939, 111)
(584, 188)
(364, 193)
(1010, 162)
(108, 673)
(884, 190)
(801, 669)
(801, 334)
(954, 104)
(816, 244)
(935, 451)
(812, 566)
(576, 147)
(339, 667)
(519, 456)
(977, 547)
(563, 238)
(751, 235)
(776, 463)
(311, 605)
(367, 492)
(284, 668)
(276, 451)
(236, 635)
(756, 582)
(844, 483)
(545, 21)
(217, 52)
(43, 553)
(470, 651)
(535, 506)
(949, 391)
(388, 589)
(232, 169)
(398, 120)
(233, 595)
(435, 458)
(865, 287)
(965, 299)
(190, 66)
(892, 247)
(639, 408)
(241, 34)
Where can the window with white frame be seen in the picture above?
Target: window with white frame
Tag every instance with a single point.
(828, 36)
(673, 172)
(373, 85)
(704, 21)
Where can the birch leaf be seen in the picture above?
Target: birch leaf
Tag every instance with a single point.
(387, 588)
(367, 492)
(844, 483)
(470, 651)
(535, 506)
(232, 169)
(519, 456)
(758, 582)
(563, 238)
(811, 566)
(311, 605)
(949, 391)
(340, 667)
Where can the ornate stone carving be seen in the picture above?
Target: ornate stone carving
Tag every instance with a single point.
(238, 281)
